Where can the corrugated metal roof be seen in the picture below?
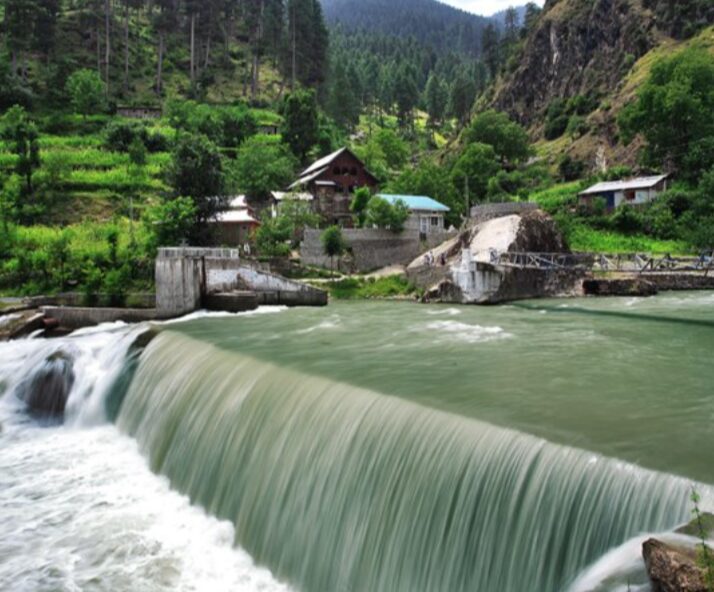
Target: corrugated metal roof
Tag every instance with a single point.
(416, 202)
(322, 163)
(236, 217)
(298, 196)
(631, 184)
(305, 179)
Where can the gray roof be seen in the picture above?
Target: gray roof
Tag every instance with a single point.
(631, 184)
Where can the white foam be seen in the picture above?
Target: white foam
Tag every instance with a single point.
(81, 510)
(463, 332)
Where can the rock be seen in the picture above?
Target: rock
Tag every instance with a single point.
(672, 569)
(46, 391)
(693, 529)
(619, 287)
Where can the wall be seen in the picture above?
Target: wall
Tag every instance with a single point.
(371, 248)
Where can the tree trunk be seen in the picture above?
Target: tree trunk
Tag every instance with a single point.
(258, 40)
(208, 52)
(294, 56)
(126, 47)
(99, 49)
(107, 42)
(160, 64)
(193, 48)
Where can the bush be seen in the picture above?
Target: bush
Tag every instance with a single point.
(628, 220)
(570, 169)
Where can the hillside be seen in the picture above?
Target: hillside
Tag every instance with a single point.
(431, 23)
(595, 54)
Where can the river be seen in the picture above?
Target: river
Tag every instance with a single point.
(366, 446)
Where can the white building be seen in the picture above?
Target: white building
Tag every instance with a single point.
(425, 214)
(637, 191)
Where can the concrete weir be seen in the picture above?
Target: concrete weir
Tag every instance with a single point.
(188, 279)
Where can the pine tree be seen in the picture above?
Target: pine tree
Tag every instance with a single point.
(437, 97)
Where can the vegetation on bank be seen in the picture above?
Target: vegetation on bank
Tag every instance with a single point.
(361, 288)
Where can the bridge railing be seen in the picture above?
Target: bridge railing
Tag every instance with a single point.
(624, 263)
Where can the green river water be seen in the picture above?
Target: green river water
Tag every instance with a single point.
(366, 446)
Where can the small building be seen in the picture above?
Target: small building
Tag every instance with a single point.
(278, 198)
(235, 226)
(635, 192)
(332, 181)
(141, 112)
(426, 214)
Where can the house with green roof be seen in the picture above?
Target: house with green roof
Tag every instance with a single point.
(426, 214)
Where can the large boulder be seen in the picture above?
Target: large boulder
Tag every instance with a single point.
(45, 392)
(673, 568)
(466, 269)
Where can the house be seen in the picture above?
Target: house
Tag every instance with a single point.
(280, 197)
(636, 192)
(235, 226)
(141, 112)
(425, 214)
(331, 181)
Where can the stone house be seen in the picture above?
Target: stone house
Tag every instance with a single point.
(636, 192)
(426, 215)
(332, 181)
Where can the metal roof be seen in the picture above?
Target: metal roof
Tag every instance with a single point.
(416, 202)
(638, 183)
(322, 163)
(305, 179)
(294, 195)
(236, 217)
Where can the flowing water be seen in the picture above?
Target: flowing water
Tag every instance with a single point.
(366, 446)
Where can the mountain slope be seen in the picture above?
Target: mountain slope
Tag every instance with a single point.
(431, 23)
(598, 51)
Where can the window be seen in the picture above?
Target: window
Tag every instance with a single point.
(423, 225)
(336, 171)
(434, 221)
(353, 171)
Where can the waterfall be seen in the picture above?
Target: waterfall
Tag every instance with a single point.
(338, 488)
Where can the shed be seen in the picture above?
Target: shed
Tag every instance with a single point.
(638, 191)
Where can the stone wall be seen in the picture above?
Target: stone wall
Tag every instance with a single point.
(370, 248)
(497, 210)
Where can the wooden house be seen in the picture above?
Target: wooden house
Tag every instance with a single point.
(332, 181)
(634, 192)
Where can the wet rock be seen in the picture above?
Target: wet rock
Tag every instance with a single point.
(694, 528)
(673, 568)
(46, 391)
(619, 287)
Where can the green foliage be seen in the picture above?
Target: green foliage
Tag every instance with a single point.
(274, 235)
(87, 92)
(333, 243)
(382, 214)
(370, 289)
(224, 126)
(171, 221)
(705, 555)
(570, 169)
(17, 128)
(261, 167)
(196, 171)
(120, 134)
(474, 168)
(428, 178)
(394, 149)
(508, 139)
(673, 112)
(300, 128)
(359, 204)
(300, 215)
(582, 238)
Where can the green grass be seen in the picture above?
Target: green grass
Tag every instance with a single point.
(552, 198)
(589, 240)
(354, 288)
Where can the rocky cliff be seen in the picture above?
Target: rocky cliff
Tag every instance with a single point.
(578, 47)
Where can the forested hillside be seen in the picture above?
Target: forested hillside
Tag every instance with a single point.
(438, 26)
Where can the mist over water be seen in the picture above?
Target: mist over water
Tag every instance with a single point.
(363, 447)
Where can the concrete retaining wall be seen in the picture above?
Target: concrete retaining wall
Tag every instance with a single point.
(370, 248)
(76, 318)
(275, 289)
